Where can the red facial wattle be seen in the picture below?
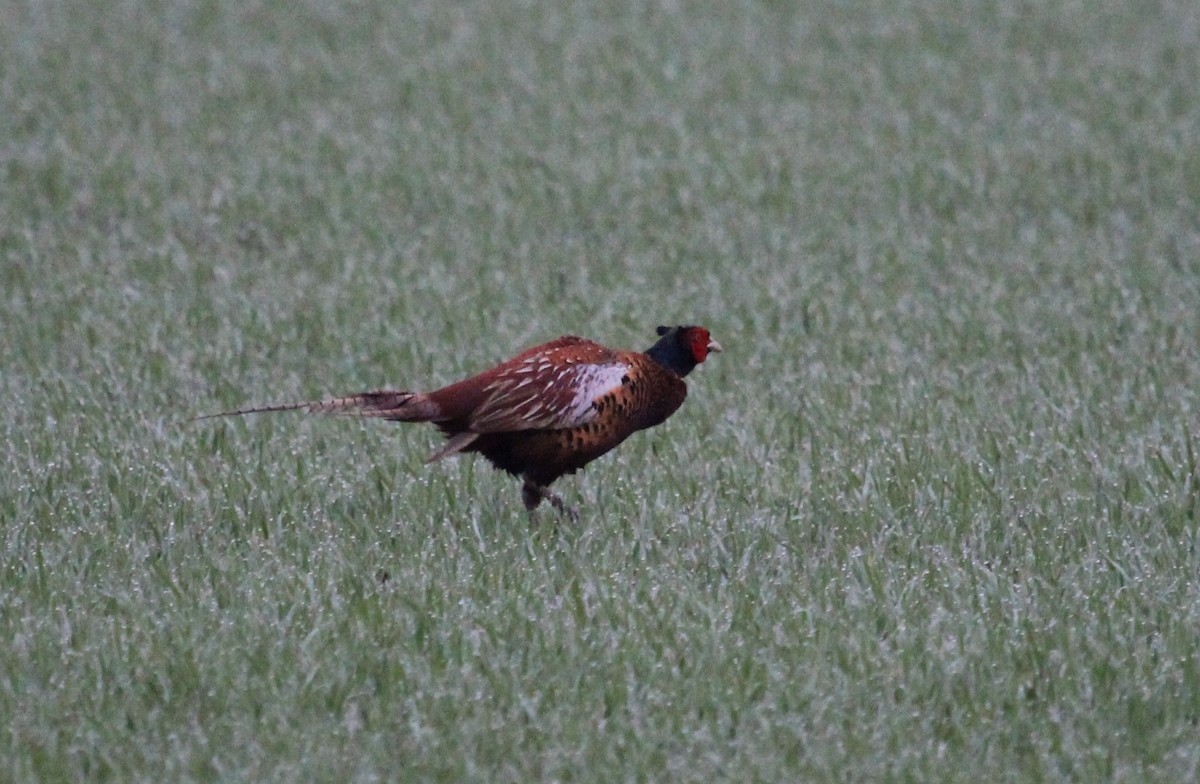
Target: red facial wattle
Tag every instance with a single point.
(699, 341)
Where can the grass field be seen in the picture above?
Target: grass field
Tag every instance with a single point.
(932, 516)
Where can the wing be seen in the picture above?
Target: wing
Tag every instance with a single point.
(553, 388)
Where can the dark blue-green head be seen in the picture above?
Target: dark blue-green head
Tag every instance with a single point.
(681, 348)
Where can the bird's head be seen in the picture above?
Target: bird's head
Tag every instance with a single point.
(681, 348)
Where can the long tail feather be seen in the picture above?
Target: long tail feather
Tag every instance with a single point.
(255, 410)
(382, 404)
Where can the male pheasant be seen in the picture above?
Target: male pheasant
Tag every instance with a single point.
(546, 412)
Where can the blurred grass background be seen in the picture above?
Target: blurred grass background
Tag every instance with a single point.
(930, 517)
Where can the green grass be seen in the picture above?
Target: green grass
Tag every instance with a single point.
(930, 517)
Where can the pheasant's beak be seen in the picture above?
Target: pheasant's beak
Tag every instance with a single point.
(714, 347)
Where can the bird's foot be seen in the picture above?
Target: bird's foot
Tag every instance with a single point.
(533, 495)
(569, 511)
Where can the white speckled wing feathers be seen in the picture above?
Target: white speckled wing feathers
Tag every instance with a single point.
(553, 389)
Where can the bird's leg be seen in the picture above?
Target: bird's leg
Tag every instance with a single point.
(533, 494)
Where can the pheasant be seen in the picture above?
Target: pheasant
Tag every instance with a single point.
(548, 411)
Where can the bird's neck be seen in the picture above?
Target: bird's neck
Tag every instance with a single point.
(674, 357)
